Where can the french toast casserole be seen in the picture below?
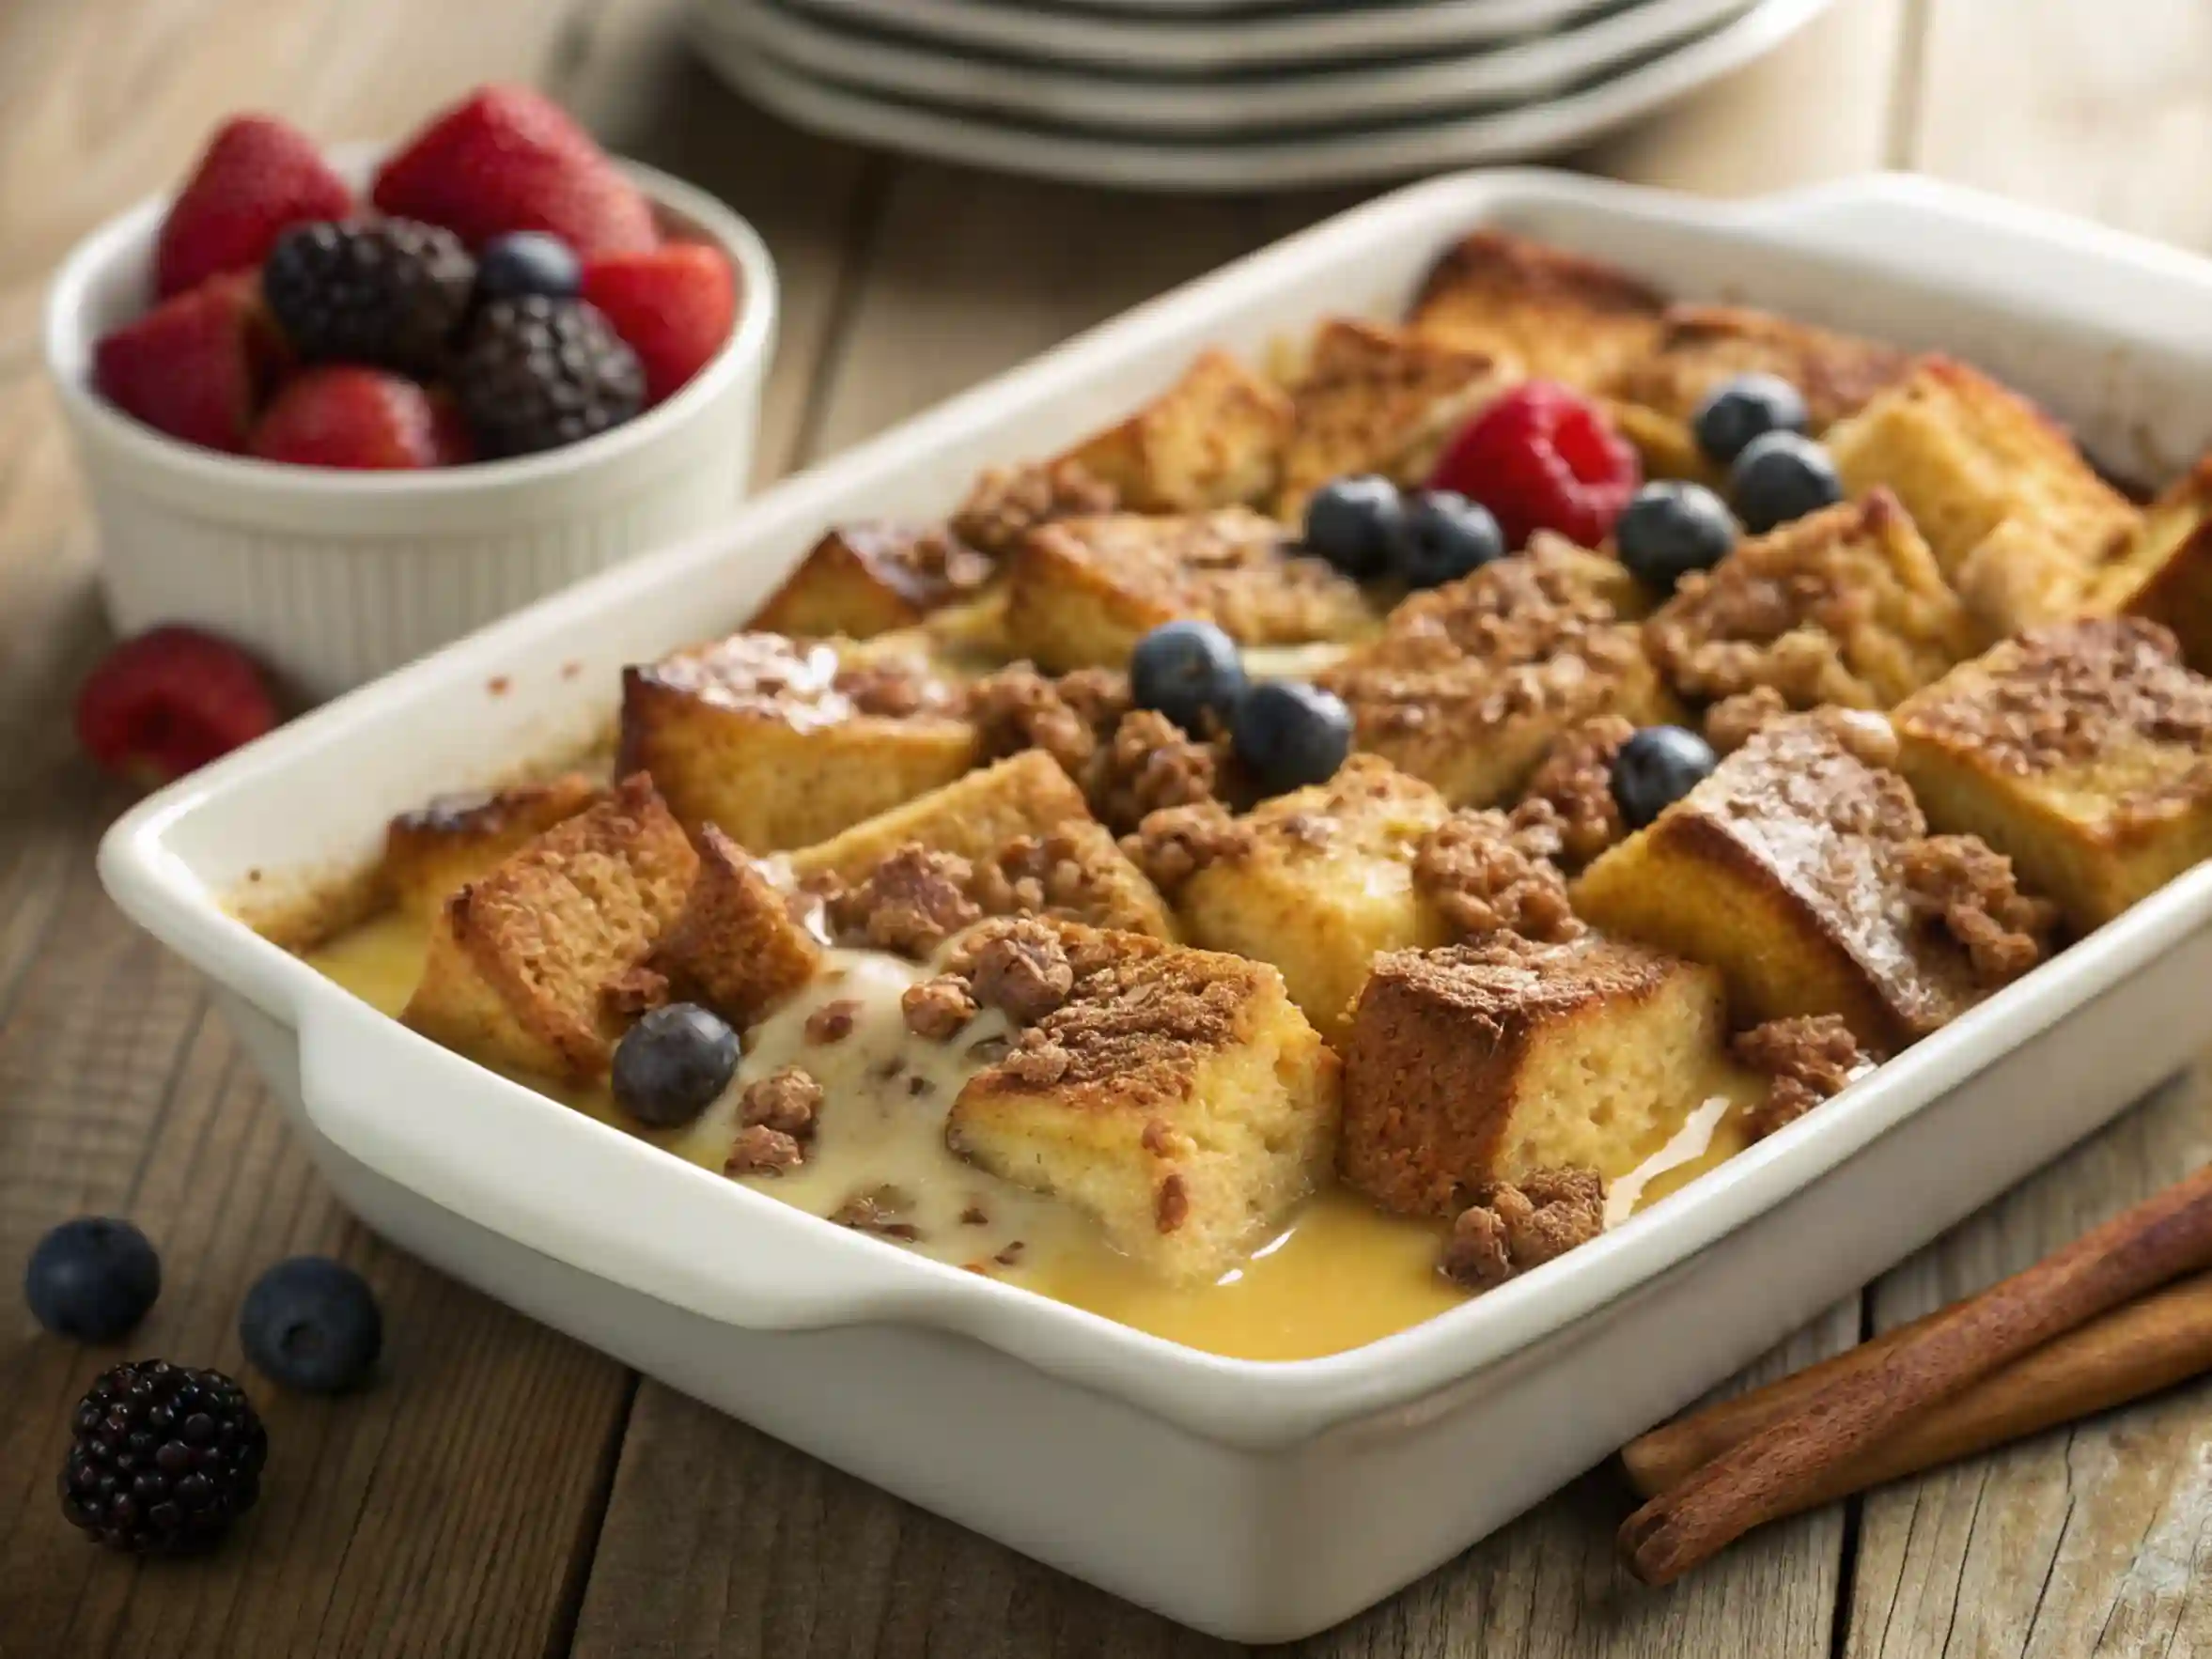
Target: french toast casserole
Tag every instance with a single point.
(1351, 831)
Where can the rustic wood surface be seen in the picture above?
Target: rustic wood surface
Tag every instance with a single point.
(504, 1490)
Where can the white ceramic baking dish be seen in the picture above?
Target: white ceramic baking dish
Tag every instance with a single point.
(1255, 1500)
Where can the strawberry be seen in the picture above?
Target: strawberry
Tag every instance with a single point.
(511, 159)
(168, 702)
(343, 415)
(674, 305)
(198, 366)
(258, 178)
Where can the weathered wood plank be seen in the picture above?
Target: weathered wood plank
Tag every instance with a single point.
(2091, 1538)
(2099, 107)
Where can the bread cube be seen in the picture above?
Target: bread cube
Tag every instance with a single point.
(1472, 682)
(1784, 869)
(436, 848)
(1177, 1096)
(1559, 316)
(1214, 439)
(1023, 829)
(527, 966)
(2082, 750)
(2164, 572)
(740, 944)
(2018, 522)
(1083, 592)
(1025, 793)
(1698, 347)
(1476, 1063)
(1322, 882)
(1843, 606)
(783, 742)
(866, 578)
(1376, 399)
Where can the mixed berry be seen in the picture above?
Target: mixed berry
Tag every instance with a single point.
(671, 1065)
(164, 1457)
(1190, 672)
(1669, 529)
(504, 291)
(1779, 477)
(1657, 768)
(312, 1325)
(92, 1280)
(1542, 457)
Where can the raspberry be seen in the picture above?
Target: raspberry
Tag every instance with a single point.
(1542, 457)
(539, 372)
(170, 701)
(390, 293)
(162, 1459)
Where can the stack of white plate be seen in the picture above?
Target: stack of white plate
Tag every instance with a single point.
(1229, 94)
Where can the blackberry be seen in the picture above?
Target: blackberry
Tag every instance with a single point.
(163, 1459)
(538, 372)
(391, 292)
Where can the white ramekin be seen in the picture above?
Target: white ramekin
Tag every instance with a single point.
(332, 576)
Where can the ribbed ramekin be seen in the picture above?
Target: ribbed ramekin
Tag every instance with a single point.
(331, 576)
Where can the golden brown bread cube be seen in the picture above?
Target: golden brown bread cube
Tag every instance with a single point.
(868, 577)
(1698, 347)
(527, 967)
(1377, 400)
(740, 944)
(436, 848)
(1083, 592)
(1021, 821)
(1472, 682)
(2082, 750)
(784, 742)
(1214, 439)
(2164, 572)
(1323, 880)
(1476, 1063)
(1177, 1096)
(2020, 522)
(1025, 793)
(1787, 869)
(1843, 606)
(1560, 316)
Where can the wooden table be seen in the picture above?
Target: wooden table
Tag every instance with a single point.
(504, 1490)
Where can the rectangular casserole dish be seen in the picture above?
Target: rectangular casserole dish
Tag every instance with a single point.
(1257, 1501)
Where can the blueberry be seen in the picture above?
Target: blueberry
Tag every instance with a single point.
(1669, 529)
(1186, 671)
(92, 1278)
(1445, 536)
(1780, 477)
(671, 1065)
(1352, 523)
(1655, 768)
(1289, 733)
(528, 262)
(1748, 407)
(312, 1324)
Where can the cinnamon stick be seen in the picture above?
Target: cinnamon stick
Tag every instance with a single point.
(2138, 1349)
(1774, 1471)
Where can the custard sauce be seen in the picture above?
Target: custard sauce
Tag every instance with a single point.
(1339, 1275)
